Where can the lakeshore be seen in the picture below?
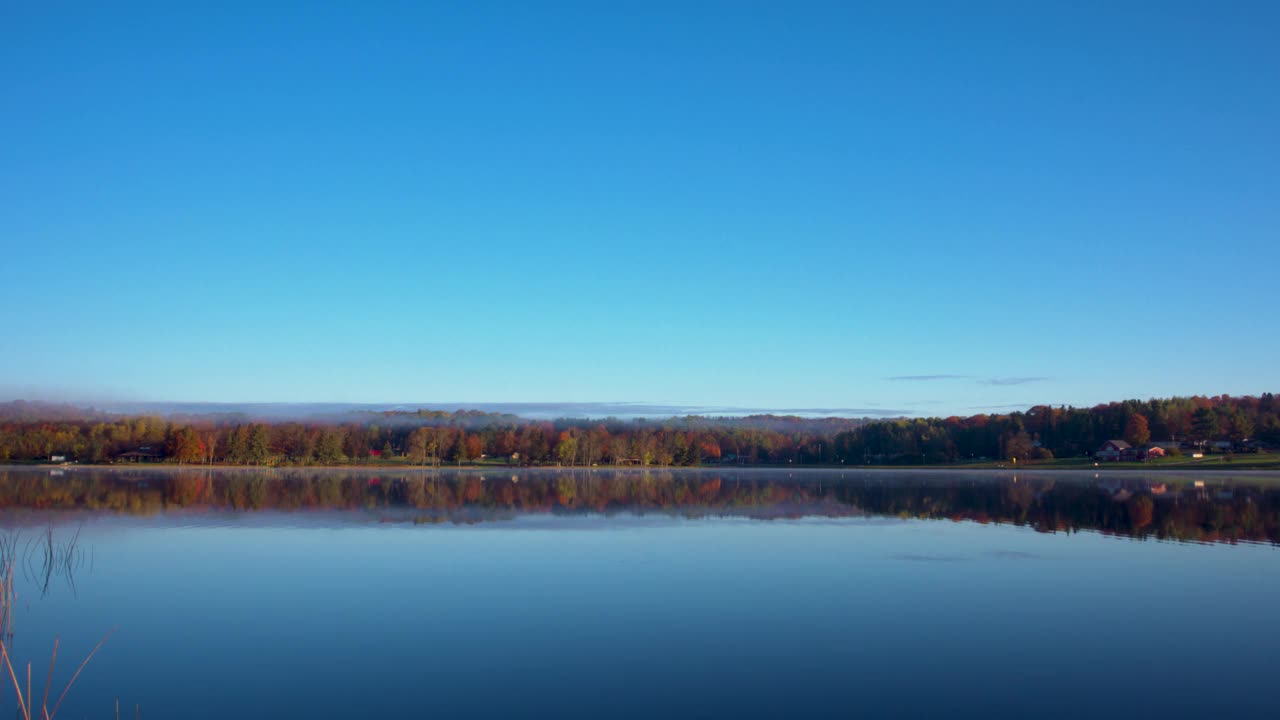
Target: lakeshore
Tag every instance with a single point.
(1252, 463)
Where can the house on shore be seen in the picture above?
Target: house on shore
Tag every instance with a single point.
(1113, 450)
(146, 453)
(1121, 451)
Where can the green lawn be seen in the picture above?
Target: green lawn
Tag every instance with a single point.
(1257, 461)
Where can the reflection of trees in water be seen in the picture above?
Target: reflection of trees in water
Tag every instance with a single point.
(1175, 509)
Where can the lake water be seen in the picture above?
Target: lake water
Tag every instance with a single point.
(691, 594)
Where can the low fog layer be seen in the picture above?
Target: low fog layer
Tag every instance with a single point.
(531, 411)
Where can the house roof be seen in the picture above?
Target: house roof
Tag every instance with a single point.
(1120, 444)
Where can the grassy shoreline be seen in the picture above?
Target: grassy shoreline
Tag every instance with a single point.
(1252, 463)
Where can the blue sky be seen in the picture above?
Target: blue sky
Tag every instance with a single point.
(933, 207)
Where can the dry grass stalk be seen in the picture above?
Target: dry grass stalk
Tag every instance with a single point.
(25, 699)
(80, 669)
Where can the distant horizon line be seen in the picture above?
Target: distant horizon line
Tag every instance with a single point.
(625, 408)
(546, 410)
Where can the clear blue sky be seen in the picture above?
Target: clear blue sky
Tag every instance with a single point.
(788, 205)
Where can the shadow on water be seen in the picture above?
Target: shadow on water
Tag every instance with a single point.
(1183, 507)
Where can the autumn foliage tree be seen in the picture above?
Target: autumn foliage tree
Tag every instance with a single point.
(1018, 446)
(475, 446)
(1136, 430)
(186, 446)
(421, 445)
(566, 448)
(329, 449)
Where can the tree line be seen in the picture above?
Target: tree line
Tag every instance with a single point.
(434, 438)
(1045, 432)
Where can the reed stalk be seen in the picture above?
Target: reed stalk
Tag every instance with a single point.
(26, 698)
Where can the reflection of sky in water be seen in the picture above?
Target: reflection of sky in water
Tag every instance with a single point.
(260, 615)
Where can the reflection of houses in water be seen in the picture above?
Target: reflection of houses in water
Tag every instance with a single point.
(1124, 489)
(1117, 489)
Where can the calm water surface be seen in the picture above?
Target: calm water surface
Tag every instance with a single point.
(337, 593)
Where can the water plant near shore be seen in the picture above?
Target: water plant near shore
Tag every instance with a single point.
(8, 596)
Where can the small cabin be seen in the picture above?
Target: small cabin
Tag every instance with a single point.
(141, 455)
